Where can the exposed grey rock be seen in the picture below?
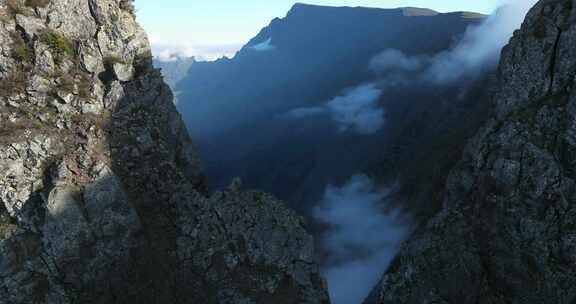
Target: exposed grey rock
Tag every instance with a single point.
(123, 72)
(506, 231)
(31, 26)
(102, 198)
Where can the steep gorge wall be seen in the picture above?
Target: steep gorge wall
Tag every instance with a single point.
(102, 199)
(507, 229)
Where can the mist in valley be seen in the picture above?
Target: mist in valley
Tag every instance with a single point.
(362, 238)
(342, 141)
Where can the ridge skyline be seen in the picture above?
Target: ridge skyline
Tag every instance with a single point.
(217, 29)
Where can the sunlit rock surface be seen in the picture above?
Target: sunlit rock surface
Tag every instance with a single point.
(102, 199)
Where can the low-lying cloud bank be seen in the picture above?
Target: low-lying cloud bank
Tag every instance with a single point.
(480, 48)
(171, 52)
(477, 52)
(361, 240)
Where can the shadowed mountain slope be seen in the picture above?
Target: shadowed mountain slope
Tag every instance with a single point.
(260, 115)
(506, 231)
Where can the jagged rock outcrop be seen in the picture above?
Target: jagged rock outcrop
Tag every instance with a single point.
(102, 199)
(507, 231)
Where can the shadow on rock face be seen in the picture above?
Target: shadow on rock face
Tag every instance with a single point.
(109, 205)
(73, 243)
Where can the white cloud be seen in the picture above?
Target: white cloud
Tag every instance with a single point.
(480, 48)
(478, 51)
(170, 50)
(356, 110)
(391, 60)
(263, 46)
(362, 238)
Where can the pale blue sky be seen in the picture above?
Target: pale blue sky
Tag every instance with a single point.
(211, 27)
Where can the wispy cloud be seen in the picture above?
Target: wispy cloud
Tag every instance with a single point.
(263, 46)
(480, 48)
(392, 60)
(477, 52)
(356, 110)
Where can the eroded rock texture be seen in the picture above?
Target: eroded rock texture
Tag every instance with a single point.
(507, 231)
(102, 199)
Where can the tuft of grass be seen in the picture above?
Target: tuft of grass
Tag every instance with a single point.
(37, 3)
(65, 82)
(19, 48)
(128, 5)
(74, 82)
(61, 45)
(84, 86)
(15, 7)
(14, 83)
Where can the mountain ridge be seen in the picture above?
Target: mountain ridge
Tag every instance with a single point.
(406, 10)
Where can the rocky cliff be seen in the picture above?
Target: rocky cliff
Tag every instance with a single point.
(102, 199)
(507, 229)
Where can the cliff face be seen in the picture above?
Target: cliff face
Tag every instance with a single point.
(102, 199)
(506, 233)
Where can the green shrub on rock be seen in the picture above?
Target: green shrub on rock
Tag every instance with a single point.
(19, 48)
(58, 43)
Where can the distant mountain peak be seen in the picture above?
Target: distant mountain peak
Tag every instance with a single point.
(417, 11)
(473, 15)
(303, 7)
(300, 5)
